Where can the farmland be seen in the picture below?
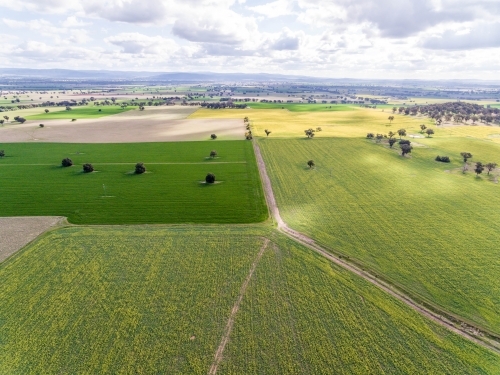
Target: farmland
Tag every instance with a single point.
(301, 107)
(34, 183)
(78, 113)
(432, 232)
(156, 300)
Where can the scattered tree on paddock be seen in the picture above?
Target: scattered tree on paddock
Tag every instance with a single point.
(391, 118)
(68, 108)
(1, 122)
(318, 129)
(311, 164)
(422, 128)
(41, 125)
(466, 156)
(267, 132)
(87, 168)
(210, 178)
(140, 168)
(213, 154)
(394, 109)
(2, 153)
(6, 118)
(309, 133)
(379, 138)
(490, 167)
(391, 142)
(479, 168)
(67, 162)
(370, 135)
(405, 149)
(429, 132)
(391, 134)
(443, 159)
(402, 133)
(245, 119)
(47, 111)
(213, 136)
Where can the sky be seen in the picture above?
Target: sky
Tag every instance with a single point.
(399, 39)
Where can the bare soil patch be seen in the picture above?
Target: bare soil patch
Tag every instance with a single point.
(158, 124)
(17, 232)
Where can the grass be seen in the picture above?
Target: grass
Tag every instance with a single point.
(156, 300)
(78, 113)
(433, 232)
(34, 183)
(301, 107)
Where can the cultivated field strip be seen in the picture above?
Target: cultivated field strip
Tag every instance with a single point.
(304, 315)
(407, 222)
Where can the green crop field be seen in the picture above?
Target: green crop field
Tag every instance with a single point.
(157, 300)
(301, 107)
(422, 224)
(34, 183)
(78, 112)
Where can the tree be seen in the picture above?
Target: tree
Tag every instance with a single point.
(41, 125)
(68, 108)
(379, 137)
(401, 133)
(2, 153)
(466, 156)
(405, 149)
(245, 119)
(213, 154)
(1, 122)
(311, 164)
(6, 118)
(213, 136)
(87, 168)
(391, 142)
(22, 120)
(490, 167)
(267, 132)
(309, 133)
(391, 118)
(391, 134)
(46, 111)
(422, 127)
(429, 132)
(140, 168)
(67, 162)
(394, 109)
(210, 178)
(318, 129)
(479, 168)
(370, 135)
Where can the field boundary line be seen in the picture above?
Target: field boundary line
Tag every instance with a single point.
(234, 310)
(440, 317)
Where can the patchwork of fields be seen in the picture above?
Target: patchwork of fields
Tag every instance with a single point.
(157, 300)
(34, 183)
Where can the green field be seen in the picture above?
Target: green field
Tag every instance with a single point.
(301, 107)
(34, 183)
(432, 231)
(78, 112)
(157, 300)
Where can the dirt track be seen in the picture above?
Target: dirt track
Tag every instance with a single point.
(156, 124)
(465, 330)
(17, 232)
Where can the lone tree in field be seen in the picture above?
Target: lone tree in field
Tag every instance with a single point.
(466, 156)
(213, 136)
(140, 168)
(46, 111)
(213, 154)
(318, 129)
(2, 153)
(490, 167)
(429, 132)
(405, 149)
(309, 133)
(267, 132)
(422, 127)
(370, 135)
(41, 125)
(401, 133)
(479, 168)
(391, 142)
(87, 168)
(391, 118)
(311, 164)
(68, 108)
(1, 122)
(210, 179)
(67, 162)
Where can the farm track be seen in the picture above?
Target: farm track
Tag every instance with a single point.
(437, 317)
(229, 326)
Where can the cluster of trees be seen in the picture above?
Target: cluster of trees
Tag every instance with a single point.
(19, 119)
(479, 167)
(310, 133)
(458, 111)
(140, 168)
(223, 105)
(404, 144)
(443, 159)
(248, 134)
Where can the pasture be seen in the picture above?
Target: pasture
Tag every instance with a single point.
(34, 183)
(431, 231)
(158, 300)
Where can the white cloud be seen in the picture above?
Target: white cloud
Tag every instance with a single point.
(135, 43)
(274, 9)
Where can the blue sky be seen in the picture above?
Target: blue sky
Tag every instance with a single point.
(325, 38)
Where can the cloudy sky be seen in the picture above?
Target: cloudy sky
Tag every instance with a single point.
(329, 38)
